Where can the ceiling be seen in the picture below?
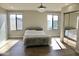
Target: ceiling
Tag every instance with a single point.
(33, 6)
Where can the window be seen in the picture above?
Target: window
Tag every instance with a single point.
(15, 21)
(52, 21)
(49, 18)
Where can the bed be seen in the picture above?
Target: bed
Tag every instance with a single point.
(35, 37)
(71, 34)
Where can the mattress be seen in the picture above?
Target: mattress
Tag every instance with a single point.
(35, 34)
(34, 37)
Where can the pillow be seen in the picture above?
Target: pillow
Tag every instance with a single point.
(69, 28)
(34, 28)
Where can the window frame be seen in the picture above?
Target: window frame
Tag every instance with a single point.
(53, 22)
(16, 20)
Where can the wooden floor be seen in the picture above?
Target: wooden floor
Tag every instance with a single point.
(20, 50)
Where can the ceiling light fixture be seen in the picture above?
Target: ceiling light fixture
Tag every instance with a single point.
(41, 8)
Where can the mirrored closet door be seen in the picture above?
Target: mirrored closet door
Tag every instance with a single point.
(70, 28)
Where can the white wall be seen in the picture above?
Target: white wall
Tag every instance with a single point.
(3, 25)
(34, 18)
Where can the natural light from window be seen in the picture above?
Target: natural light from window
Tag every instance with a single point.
(52, 22)
(49, 20)
(15, 22)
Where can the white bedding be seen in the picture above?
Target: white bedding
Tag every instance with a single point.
(34, 37)
(34, 34)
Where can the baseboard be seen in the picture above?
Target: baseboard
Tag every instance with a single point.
(55, 36)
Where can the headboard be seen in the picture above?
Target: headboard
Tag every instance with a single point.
(34, 28)
(69, 28)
